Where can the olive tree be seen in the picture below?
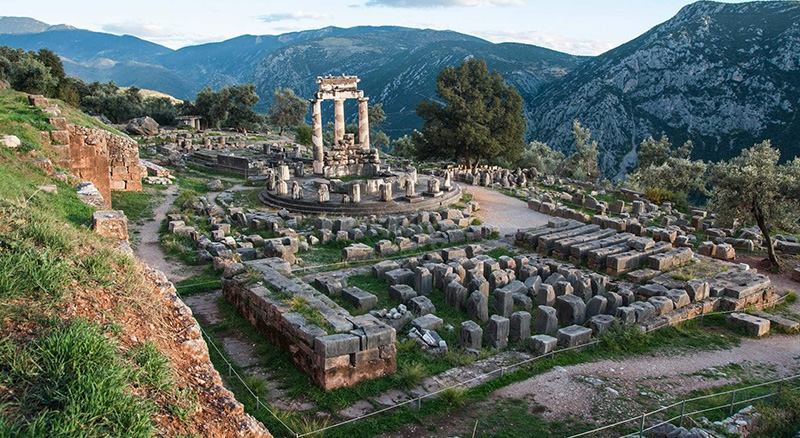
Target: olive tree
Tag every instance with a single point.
(753, 187)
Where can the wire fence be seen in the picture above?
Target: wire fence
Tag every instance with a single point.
(682, 405)
(500, 372)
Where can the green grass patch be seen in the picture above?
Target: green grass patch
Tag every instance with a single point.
(70, 382)
(138, 206)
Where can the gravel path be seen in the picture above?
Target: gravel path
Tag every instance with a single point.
(504, 211)
(582, 389)
(149, 249)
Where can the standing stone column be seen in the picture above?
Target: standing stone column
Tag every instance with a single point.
(316, 135)
(338, 120)
(363, 123)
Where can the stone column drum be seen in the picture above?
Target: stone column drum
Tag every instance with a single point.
(338, 119)
(363, 123)
(316, 135)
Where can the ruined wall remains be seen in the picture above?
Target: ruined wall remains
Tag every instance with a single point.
(347, 351)
(109, 161)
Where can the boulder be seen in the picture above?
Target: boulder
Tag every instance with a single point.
(142, 126)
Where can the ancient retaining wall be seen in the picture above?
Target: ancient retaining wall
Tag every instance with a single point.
(348, 350)
(109, 161)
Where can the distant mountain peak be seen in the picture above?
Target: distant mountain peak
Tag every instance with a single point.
(25, 25)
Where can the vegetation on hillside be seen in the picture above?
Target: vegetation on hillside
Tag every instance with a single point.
(480, 119)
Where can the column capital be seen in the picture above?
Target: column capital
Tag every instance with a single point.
(363, 99)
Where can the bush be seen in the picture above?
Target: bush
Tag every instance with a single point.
(411, 375)
(658, 195)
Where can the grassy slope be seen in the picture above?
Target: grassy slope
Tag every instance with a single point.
(66, 370)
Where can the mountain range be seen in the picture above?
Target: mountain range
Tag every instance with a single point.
(722, 75)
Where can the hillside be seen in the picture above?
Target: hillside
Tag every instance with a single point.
(94, 343)
(399, 68)
(398, 65)
(723, 75)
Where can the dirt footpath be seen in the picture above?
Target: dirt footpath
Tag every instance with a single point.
(504, 211)
(582, 389)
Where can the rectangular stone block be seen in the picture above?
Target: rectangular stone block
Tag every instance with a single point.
(402, 293)
(336, 345)
(429, 322)
(360, 299)
(574, 336)
(542, 344)
(754, 325)
(497, 331)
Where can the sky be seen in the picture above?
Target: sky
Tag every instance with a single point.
(580, 27)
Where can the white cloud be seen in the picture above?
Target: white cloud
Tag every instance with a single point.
(289, 16)
(441, 3)
(140, 29)
(555, 42)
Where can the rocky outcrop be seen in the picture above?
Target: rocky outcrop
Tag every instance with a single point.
(723, 75)
(142, 126)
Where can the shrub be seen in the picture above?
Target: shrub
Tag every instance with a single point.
(411, 375)
(453, 396)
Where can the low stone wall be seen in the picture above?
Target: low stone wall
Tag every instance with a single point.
(349, 349)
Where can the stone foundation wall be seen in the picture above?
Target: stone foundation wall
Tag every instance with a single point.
(362, 350)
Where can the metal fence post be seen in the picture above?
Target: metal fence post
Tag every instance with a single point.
(733, 397)
(683, 409)
(230, 369)
(641, 426)
(780, 386)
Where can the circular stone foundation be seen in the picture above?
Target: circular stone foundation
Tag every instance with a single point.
(370, 202)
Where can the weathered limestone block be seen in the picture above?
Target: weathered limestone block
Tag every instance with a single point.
(497, 332)
(421, 305)
(520, 326)
(601, 323)
(680, 298)
(596, 306)
(643, 310)
(357, 251)
(427, 322)
(359, 299)
(563, 288)
(402, 293)
(613, 302)
(545, 295)
(574, 336)
(503, 302)
(754, 325)
(339, 344)
(478, 307)
(662, 305)
(626, 315)
(399, 276)
(423, 280)
(698, 290)
(522, 301)
(671, 259)
(112, 224)
(570, 310)
(652, 290)
(546, 321)
(379, 270)
(455, 295)
(725, 252)
(542, 344)
(470, 336)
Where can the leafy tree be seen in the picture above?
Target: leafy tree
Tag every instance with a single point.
(539, 156)
(241, 115)
(754, 188)
(287, 109)
(404, 147)
(668, 173)
(380, 141)
(212, 106)
(481, 117)
(303, 134)
(376, 116)
(160, 109)
(30, 75)
(657, 152)
(582, 165)
(53, 62)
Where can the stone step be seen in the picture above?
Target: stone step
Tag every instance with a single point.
(581, 251)
(563, 246)
(786, 324)
(546, 243)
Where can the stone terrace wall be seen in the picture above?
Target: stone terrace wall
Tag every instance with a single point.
(350, 349)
